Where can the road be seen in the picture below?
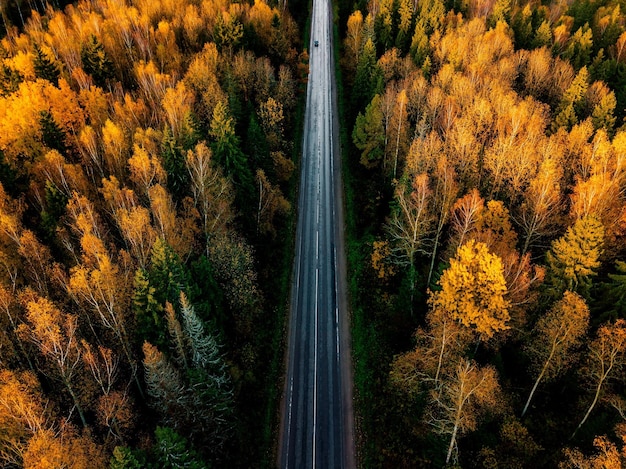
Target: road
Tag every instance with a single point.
(317, 424)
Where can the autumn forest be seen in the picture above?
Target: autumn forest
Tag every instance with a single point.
(148, 173)
(486, 177)
(146, 160)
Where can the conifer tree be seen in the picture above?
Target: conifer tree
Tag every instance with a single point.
(96, 61)
(44, 67)
(575, 257)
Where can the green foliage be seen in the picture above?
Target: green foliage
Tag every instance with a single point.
(174, 165)
(52, 135)
(227, 152)
(56, 202)
(368, 79)
(369, 134)
(172, 451)
(575, 257)
(579, 48)
(167, 273)
(147, 311)
(10, 80)
(612, 297)
(45, 67)
(96, 61)
(124, 458)
(603, 115)
(420, 47)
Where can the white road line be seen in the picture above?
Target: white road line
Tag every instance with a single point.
(315, 368)
(289, 420)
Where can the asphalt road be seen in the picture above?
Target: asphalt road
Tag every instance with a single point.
(317, 420)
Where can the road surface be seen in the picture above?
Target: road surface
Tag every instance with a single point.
(317, 429)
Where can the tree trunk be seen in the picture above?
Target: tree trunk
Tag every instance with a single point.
(76, 403)
(432, 258)
(593, 404)
(441, 350)
(539, 378)
(452, 442)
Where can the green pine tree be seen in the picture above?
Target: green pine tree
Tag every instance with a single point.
(172, 451)
(56, 202)
(369, 134)
(52, 135)
(575, 257)
(174, 165)
(45, 67)
(96, 62)
(147, 311)
(124, 458)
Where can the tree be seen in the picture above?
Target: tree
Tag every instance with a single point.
(439, 346)
(555, 334)
(165, 387)
(209, 376)
(96, 61)
(354, 40)
(606, 457)
(605, 359)
(463, 396)
(66, 449)
(55, 334)
(463, 217)
(212, 193)
(271, 203)
(368, 77)
(369, 134)
(411, 221)
(147, 310)
(172, 451)
(445, 190)
(227, 151)
(123, 458)
(541, 202)
(22, 414)
(45, 67)
(575, 256)
(473, 290)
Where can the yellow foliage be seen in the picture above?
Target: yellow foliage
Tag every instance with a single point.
(473, 290)
(381, 264)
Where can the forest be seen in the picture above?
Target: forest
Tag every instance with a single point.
(146, 173)
(485, 160)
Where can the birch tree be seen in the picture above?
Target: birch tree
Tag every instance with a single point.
(554, 337)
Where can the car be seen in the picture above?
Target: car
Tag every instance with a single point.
(316, 43)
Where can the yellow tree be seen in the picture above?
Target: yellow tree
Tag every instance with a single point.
(177, 232)
(606, 357)
(464, 214)
(66, 449)
(271, 203)
(575, 256)
(606, 457)
(473, 290)
(541, 202)
(441, 344)
(411, 221)
(462, 397)
(445, 191)
(55, 334)
(212, 192)
(555, 334)
(354, 41)
(22, 414)
(145, 169)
